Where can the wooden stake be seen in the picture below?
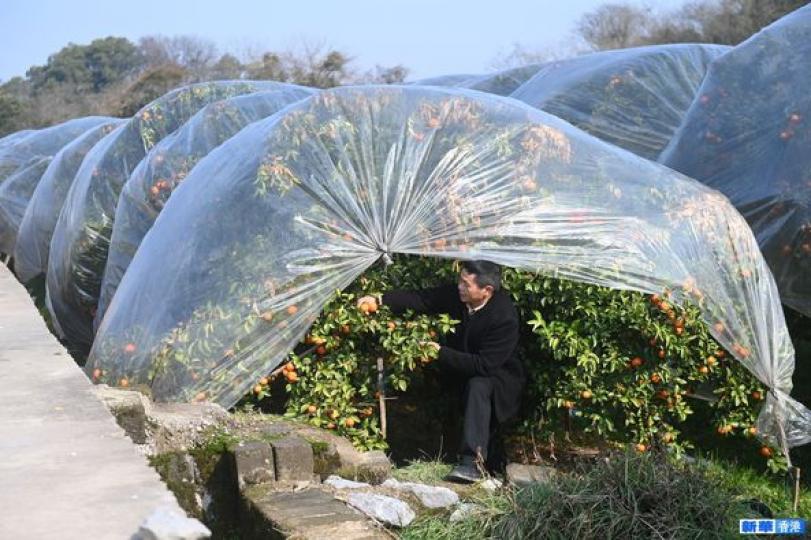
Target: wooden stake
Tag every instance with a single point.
(796, 475)
(381, 396)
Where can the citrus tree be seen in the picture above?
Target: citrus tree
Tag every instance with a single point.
(621, 364)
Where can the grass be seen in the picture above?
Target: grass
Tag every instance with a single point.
(437, 526)
(423, 471)
(630, 496)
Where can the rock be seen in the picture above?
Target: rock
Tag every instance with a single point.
(254, 463)
(167, 524)
(384, 509)
(179, 426)
(340, 483)
(466, 510)
(293, 459)
(429, 496)
(373, 467)
(129, 409)
(490, 485)
(325, 458)
(523, 475)
(162, 427)
(336, 455)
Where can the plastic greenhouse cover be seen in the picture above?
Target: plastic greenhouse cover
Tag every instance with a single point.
(37, 225)
(169, 162)
(748, 134)
(633, 98)
(501, 83)
(22, 148)
(38, 149)
(300, 204)
(15, 193)
(79, 244)
(13, 138)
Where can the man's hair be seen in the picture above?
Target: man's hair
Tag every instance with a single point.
(486, 272)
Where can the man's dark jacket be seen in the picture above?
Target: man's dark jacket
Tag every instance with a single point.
(484, 344)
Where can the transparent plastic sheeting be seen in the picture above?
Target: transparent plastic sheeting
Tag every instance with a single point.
(17, 149)
(266, 227)
(168, 163)
(23, 159)
(39, 220)
(748, 135)
(15, 192)
(79, 244)
(501, 83)
(633, 98)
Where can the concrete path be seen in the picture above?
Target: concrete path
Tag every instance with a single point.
(66, 469)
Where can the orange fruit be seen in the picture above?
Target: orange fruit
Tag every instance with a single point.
(667, 438)
(201, 396)
(752, 431)
(349, 422)
(292, 310)
(766, 452)
(391, 325)
(655, 378)
(711, 361)
(636, 362)
(267, 316)
(640, 447)
(365, 307)
(321, 350)
(703, 370)
(661, 354)
(129, 348)
(96, 374)
(330, 426)
(123, 383)
(719, 327)
(346, 329)
(679, 330)
(568, 404)
(586, 394)
(311, 409)
(291, 376)
(289, 367)
(757, 395)
(257, 389)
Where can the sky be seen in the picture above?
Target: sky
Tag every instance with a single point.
(429, 37)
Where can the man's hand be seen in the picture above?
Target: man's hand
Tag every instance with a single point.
(433, 344)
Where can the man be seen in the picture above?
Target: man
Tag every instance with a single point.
(480, 358)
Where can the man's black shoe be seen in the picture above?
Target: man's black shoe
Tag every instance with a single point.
(464, 473)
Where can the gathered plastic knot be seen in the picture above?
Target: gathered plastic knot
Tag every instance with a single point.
(387, 258)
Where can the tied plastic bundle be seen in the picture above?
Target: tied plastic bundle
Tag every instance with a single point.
(169, 162)
(78, 251)
(266, 227)
(633, 98)
(747, 134)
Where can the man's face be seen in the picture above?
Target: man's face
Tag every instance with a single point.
(469, 291)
